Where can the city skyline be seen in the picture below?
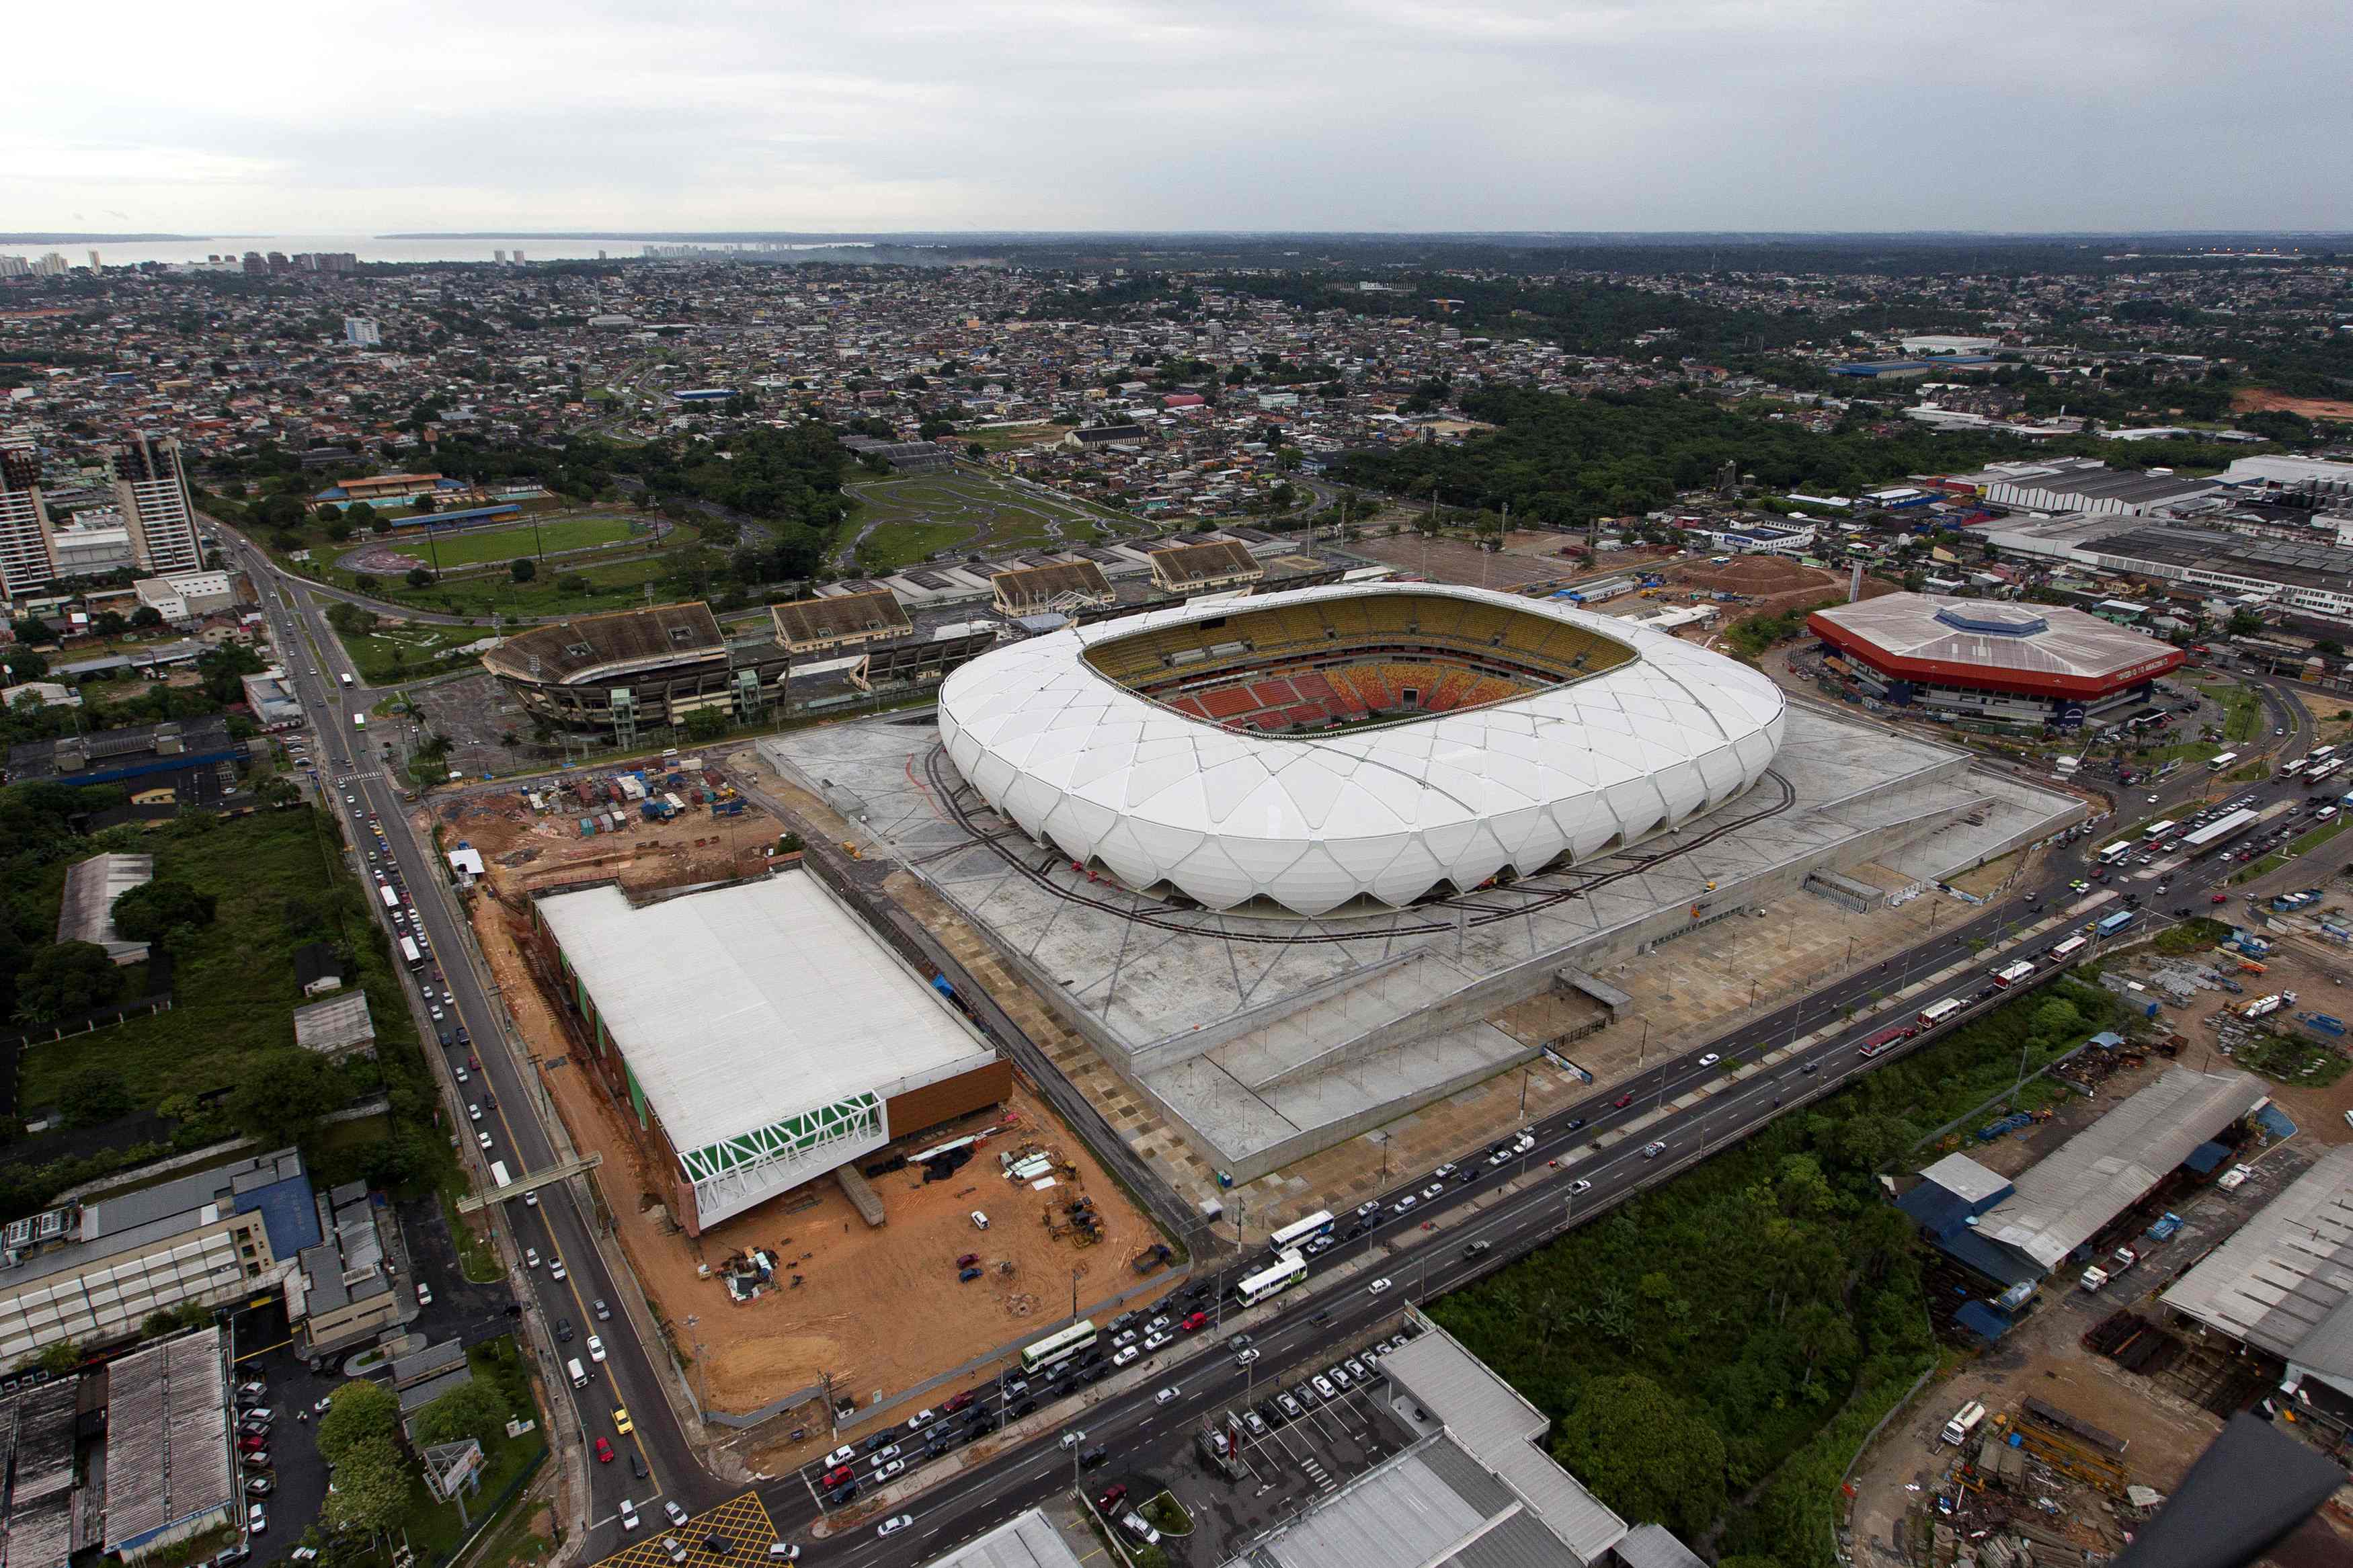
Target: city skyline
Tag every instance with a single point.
(1836, 117)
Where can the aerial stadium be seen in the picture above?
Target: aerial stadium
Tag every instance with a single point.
(1288, 861)
(1354, 748)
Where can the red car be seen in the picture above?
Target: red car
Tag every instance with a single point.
(2219, 899)
(1195, 1323)
(959, 1402)
(835, 1476)
(604, 1452)
(1112, 1497)
(1622, 1101)
(967, 1260)
(252, 1442)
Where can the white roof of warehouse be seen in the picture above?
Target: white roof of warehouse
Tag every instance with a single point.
(1027, 1539)
(739, 1006)
(2063, 1201)
(2283, 1281)
(1312, 822)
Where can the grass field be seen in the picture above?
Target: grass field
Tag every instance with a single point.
(279, 883)
(477, 547)
(409, 651)
(2243, 709)
(906, 520)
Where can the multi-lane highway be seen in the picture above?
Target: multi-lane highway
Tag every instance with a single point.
(1580, 1161)
(358, 784)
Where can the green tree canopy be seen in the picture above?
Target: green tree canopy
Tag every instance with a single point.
(146, 913)
(95, 1095)
(522, 569)
(65, 978)
(1643, 1454)
(283, 1094)
(360, 1411)
(477, 1410)
(371, 1491)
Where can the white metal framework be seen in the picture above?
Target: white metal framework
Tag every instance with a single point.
(733, 1173)
(1309, 823)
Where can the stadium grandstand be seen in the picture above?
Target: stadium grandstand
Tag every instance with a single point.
(1053, 587)
(635, 667)
(1377, 742)
(847, 620)
(1205, 568)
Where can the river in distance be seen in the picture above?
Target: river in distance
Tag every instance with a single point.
(377, 247)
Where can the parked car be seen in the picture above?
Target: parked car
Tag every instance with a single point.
(670, 1509)
(1113, 1496)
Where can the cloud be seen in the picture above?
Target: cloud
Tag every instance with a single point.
(1412, 114)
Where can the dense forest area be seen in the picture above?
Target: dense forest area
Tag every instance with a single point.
(1567, 460)
(1713, 1353)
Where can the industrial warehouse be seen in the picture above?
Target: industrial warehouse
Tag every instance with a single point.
(2029, 665)
(758, 1035)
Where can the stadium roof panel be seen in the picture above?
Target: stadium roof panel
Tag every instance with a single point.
(1953, 641)
(810, 624)
(1314, 822)
(740, 1006)
(590, 647)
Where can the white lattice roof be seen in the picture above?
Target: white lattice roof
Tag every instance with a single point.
(1313, 822)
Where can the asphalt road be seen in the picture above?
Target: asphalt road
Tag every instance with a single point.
(361, 788)
(1572, 1178)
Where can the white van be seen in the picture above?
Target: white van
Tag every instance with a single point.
(579, 1373)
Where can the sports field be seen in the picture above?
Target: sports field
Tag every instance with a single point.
(474, 547)
(900, 521)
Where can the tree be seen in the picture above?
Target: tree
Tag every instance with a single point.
(522, 569)
(146, 913)
(65, 978)
(422, 504)
(361, 1411)
(358, 514)
(2246, 623)
(284, 1095)
(419, 577)
(146, 617)
(705, 725)
(572, 583)
(364, 583)
(475, 1410)
(23, 663)
(95, 1095)
(1644, 1455)
(371, 1491)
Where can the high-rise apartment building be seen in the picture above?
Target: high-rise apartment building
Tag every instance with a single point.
(152, 489)
(53, 265)
(361, 331)
(27, 565)
(15, 267)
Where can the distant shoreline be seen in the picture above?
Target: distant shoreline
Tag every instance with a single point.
(111, 238)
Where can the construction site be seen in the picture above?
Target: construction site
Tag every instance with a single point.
(955, 1199)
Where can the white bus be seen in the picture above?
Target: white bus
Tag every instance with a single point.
(2216, 764)
(2296, 767)
(344, 678)
(1937, 1013)
(2067, 950)
(498, 1177)
(2157, 830)
(408, 954)
(1300, 1233)
(1288, 1269)
(2320, 754)
(359, 721)
(2010, 975)
(391, 900)
(1059, 1347)
(2115, 852)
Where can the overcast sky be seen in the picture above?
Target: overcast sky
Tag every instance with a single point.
(329, 116)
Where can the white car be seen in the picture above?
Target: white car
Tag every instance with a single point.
(596, 1348)
(256, 1521)
(884, 1472)
(424, 1294)
(556, 1268)
(1072, 1439)
(893, 1526)
(840, 1457)
(979, 1220)
(474, 1112)
(1323, 1387)
(1710, 1060)
(483, 1139)
(920, 1419)
(628, 1515)
(1246, 1357)
(1165, 1396)
(1378, 1286)
(530, 1258)
(1125, 1356)
(884, 1455)
(1579, 1186)
(671, 1509)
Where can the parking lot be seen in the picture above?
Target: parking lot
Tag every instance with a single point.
(1290, 1445)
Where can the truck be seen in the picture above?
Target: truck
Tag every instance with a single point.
(2117, 1263)
(498, 1177)
(2261, 1007)
(727, 808)
(1964, 1422)
(1150, 1258)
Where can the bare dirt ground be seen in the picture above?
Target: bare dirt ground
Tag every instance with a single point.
(2257, 399)
(859, 1288)
(1452, 561)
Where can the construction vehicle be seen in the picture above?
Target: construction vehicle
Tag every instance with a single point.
(1154, 1256)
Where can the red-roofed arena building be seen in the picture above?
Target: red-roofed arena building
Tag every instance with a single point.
(1996, 661)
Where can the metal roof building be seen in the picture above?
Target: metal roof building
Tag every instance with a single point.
(1608, 732)
(2283, 1281)
(86, 912)
(1027, 1539)
(168, 1475)
(337, 1027)
(2064, 1200)
(2039, 650)
(760, 1031)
